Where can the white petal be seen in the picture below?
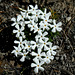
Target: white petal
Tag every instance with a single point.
(16, 41)
(36, 70)
(19, 17)
(54, 47)
(59, 24)
(54, 22)
(41, 68)
(15, 31)
(53, 52)
(59, 29)
(33, 65)
(34, 54)
(45, 33)
(36, 7)
(22, 59)
(53, 30)
(31, 6)
(13, 19)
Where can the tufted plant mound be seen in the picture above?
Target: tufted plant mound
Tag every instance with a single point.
(32, 29)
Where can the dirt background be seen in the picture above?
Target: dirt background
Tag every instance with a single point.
(64, 62)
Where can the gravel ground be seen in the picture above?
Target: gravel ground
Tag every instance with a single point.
(64, 62)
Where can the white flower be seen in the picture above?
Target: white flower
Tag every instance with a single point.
(37, 29)
(56, 27)
(41, 36)
(36, 15)
(25, 13)
(20, 42)
(37, 65)
(15, 22)
(52, 48)
(45, 14)
(43, 44)
(24, 55)
(19, 31)
(34, 44)
(16, 50)
(32, 26)
(33, 9)
(31, 21)
(44, 25)
(38, 55)
(48, 57)
(27, 45)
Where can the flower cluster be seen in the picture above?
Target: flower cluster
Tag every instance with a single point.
(41, 49)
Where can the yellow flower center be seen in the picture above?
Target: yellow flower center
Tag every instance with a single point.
(37, 65)
(16, 50)
(18, 30)
(50, 48)
(33, 9)
(44, 43)
(28, 46)
(38, 54)
(55, 25)
(38, 29)
(45, 20)
(24, 55)
(44, 25)
(41, 36)
(36, 15)
(47, 57)
(20, 42)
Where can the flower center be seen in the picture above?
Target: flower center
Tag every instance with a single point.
(38, 54)
(44, 25)
(36, 43)
(16, 50)
(28, 46)
(38, 29)
(44, 14)
(18, 30)
(55, 25)
(44, 43)
(24, 55)
(47, 57)
(37, 65)
(36, 15)
(41, 36)
(33, 9)
(50, 48)
(46, 20)
(33, 26)
(30, 22)
(20, 42)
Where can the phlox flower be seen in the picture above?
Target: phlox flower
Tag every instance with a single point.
(41, 36)
(16, 50)
(33, 9)
(16, 22)
(48, 58)
(56, 27)
(34, 44)
(38, 55)
(44, 25)
(27, 45)
(19, 31)
(45, 14)
(52, 48)
(20, 42)
(24, 55)
(37, 65)
(43, 44)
